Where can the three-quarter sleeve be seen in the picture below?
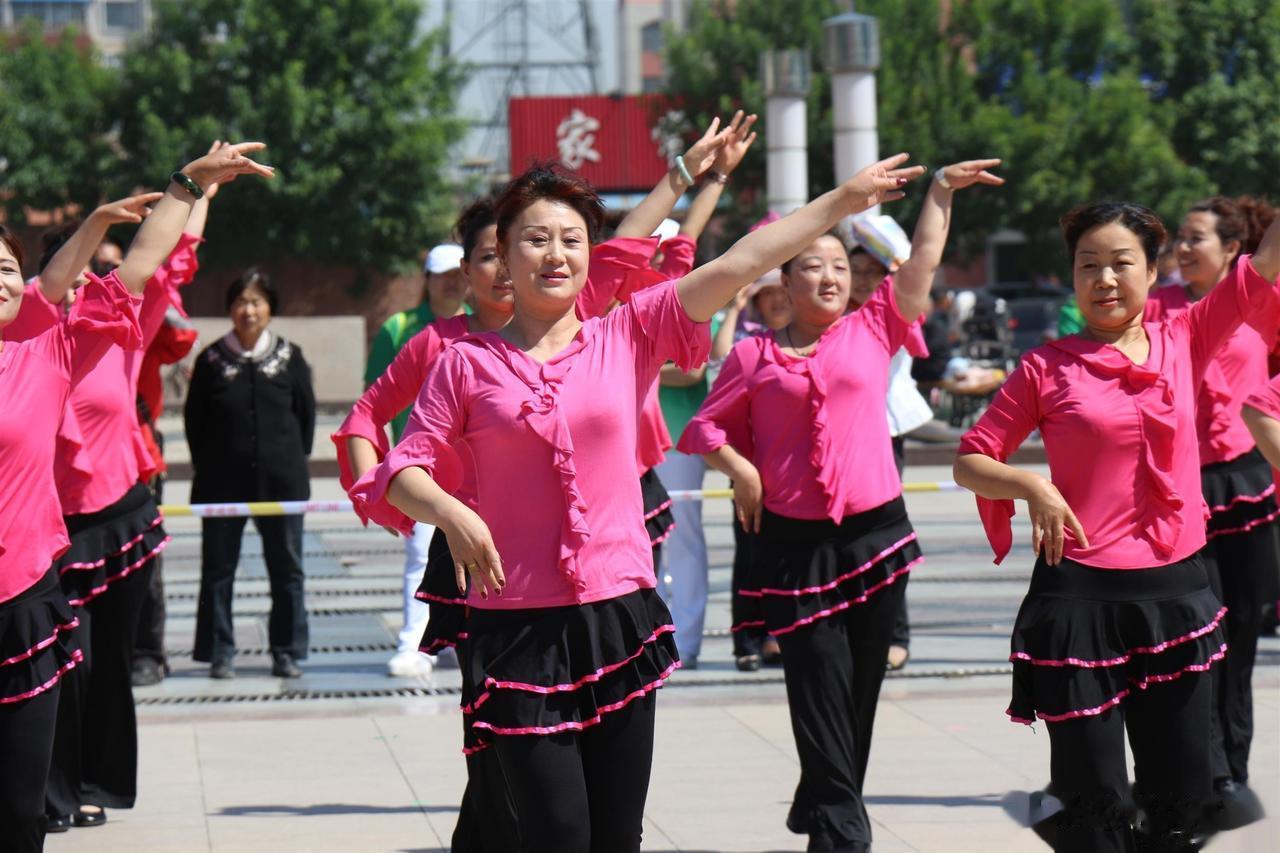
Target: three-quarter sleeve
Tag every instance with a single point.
(672, 335)
(1010, 418)
(435, 426)
(883, 318)
(678, 255)
(1266, 399)
(178, 270)
(105, 314)
(619, 267)
(1244, 296)
(389, 395)
(725, 415)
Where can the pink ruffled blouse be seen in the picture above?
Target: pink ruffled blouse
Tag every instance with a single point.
(101, 451)
(1120, 436)
(554, 449)
(814, 427)
(1238, 368)
(36, 378)
(1266, 399)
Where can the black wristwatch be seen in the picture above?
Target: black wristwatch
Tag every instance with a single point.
(187, 183)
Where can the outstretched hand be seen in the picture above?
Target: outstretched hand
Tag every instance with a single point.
(131, 210)
(970, 172)
(736, 146)
(212, 189)
(702, 154)
(879, 183)
(225, 163)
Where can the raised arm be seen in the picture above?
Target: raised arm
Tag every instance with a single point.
(727, 159)
(912, 282)
(1266, 260)
(199, 215)
(61, 273)
(649, 213)
(707, 289)
(161, 230)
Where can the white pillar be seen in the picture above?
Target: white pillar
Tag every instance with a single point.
(852, 52)
(785, 77)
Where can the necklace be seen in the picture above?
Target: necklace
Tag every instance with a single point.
(787, 331)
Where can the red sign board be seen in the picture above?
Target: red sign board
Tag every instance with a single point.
(611, 141)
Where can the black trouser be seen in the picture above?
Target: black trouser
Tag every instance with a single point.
(1166, 724)
(486, 818)
(1237, 564)
(151, 618)
(26, 744)
(834, 668)
(95, 753)
(746, 641)
(902, 624)
(219, 556)
(583, 792)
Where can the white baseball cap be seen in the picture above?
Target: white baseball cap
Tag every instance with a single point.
(666, 229)
(443, 258)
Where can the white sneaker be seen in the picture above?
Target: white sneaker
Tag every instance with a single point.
(447, 658)
(409, 664)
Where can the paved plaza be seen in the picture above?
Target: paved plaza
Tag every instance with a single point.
(348, 759)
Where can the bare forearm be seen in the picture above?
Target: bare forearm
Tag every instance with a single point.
(57, 278)
(648, 214)
(703, 207)
(1266, 432)
(671, 376)
(993, 479)
(727, 461)
(198, 217)
(708, 288)
(1267, 259)
(723, 341)
(363, 455)
(417, 495)
(156, 238)
(913, 280)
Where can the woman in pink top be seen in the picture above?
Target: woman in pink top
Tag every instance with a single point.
(567, 640)
(797, 420)
(1242, 555)
(37, 647)
(1120, 622)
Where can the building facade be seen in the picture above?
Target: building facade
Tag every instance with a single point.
(109, 24)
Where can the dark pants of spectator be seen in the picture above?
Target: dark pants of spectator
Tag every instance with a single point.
(902, 625)
(26, 742)
(1166, 724)
(95, 752)
(834, 668)
(219, 557)
(1237, 564)
(583, 792)
(151, 618)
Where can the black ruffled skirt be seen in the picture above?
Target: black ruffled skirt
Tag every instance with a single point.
(1086, 638)
(37, 640)
(658, 518)
(562, 669)
(802, 571)
(446, 606)
(110, 544)
(1240, 493)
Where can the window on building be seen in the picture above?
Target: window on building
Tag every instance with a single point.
(124, 16)
(651, 37)
(51, 13)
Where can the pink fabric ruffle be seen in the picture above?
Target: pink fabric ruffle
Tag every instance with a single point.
(1127, 656)
(415, 450)
(178, 271)
(358, 425)
(76, 657)
(106, 307)
(43, 644)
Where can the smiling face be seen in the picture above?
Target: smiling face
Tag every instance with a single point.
(1111, 277)
(547, 253)
(1203, 259)
(818, 282)
(490, 288)
(11, 285)
(774, 307)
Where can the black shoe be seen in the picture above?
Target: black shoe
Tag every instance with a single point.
(284, 667)
(748, 663)
(221, 669)
(146, 672)
(61, 823)
(1234, 804)
(84, 819)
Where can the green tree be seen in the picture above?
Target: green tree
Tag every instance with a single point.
(355, 104)
(54, 118)
(1050, 86)
(1216, 65)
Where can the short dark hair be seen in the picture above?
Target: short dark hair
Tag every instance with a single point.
(54, 239)
(478, 215)
(11, 240)
(1244, 219)
(253, 277)
(1142, 221)
(551, 182)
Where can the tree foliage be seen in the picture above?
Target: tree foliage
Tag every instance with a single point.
(1053, 87)
(55, 149)
(354, 103)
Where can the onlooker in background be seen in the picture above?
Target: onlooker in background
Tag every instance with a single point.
(444, 296)
(938, 339)
(250, 416)
(172, 343)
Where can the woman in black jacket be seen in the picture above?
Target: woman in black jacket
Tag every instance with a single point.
(250, 416)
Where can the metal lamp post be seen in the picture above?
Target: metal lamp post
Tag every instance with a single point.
(785, 75)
